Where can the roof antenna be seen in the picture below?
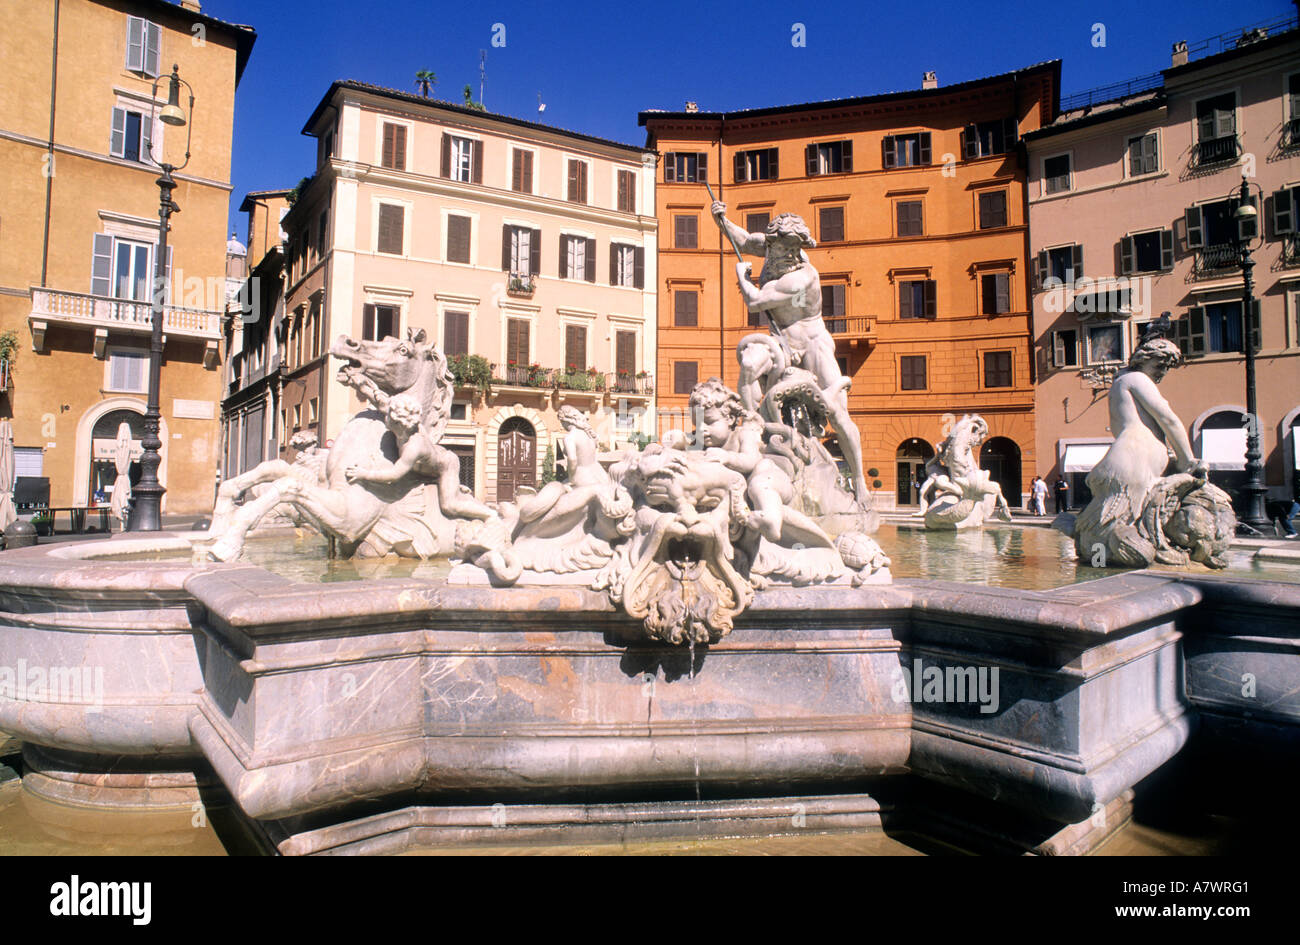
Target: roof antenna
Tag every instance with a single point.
(541, 106)
(482, 73)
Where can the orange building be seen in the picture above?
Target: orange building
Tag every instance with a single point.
(917, 202)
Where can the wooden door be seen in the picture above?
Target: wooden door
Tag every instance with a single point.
(516, 458)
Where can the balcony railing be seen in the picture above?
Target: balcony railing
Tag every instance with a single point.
(543, 378)
(123, 314)
(523, 375)
(637, 385)
(521, 284)
(851, 326)
(1291, 134)
(1217, 257)
(1217, 150)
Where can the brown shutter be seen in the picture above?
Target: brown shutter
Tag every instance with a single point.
(446, 155)
(564, 257)
(505, 248)
(685, 374)
(702, 168)
(739, 161)
(638, 271)
(399, 147)
(455, 334)
(517, 340)
(686, 309)
(625, 352)
(591, 261)
(476, 161)
(391, 219)
(458, 233)
(535, 253)
(575, 347)
(573, 180)
(848, 157)
(929, 298)
(1002, 283)
(368, 322)
(810, 159)
(888, 153)
(970, 142)
(386, 152)
(614, 250)
(517, 170)
(528, 172)
(925, 147)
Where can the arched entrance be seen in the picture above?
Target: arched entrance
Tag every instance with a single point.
(1223, 450)
(83, 462)
(1001, 457)
(103, 456)
(910, 463)
(516, 457)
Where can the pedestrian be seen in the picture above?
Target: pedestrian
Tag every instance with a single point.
(1038, 492)
(1288, 520)
(1062, 495)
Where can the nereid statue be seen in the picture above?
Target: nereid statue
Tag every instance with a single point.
(957, 493)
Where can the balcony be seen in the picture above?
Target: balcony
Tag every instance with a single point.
(1216, 258)
(630, 387)
(102, 313)
(1291, 134)
(1211, 151)
(855, 330)
(521, 285)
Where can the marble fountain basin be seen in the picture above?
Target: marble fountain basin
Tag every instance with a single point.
(384, 713)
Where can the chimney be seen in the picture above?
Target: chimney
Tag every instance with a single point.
(692, 107)
(191, 5)
(929, 80)
(1180, 53)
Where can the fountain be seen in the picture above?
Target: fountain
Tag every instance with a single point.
(701, 638)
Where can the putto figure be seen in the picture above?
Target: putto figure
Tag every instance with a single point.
(1138, 515)
(789, 293)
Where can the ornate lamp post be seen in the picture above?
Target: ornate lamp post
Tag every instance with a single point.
(1253, 513)
(146, 511)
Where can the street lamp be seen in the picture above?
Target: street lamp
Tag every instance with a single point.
(1254, 515)
(146, 510)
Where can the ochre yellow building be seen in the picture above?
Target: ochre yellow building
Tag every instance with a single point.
(79, 226)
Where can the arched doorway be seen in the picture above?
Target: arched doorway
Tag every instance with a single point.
(103, 455)
(1223, 450)
(516, 457)
(910, 462)
(1001, 457)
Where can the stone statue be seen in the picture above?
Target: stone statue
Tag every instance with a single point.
(373, 495)
(957, 493)
(1138, 515)
(789, 294)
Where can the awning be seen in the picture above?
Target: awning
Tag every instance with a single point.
(1224, 449)
(1081, 457)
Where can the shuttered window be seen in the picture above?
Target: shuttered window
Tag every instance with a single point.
(685, 376)
(684, 167)
(577, 181)
(829, 157)
(521, 250)
(757, 222)
(909, 218)
(625, 352)
(912, 372)
(626, 265)
(905, 150)
(1143, 155)
(127, 371)
(521, 172)
(627, 192)
(832, 308)
(575, 347)
(996, 292)
(686, 309)
(830, 224)
(458, 232)
(993, 209)
(378, 322)
(997, 368)
(392, 220)
(517, 340)
(916, 298)
(1056, 174)
(455, 333)
(130, 136)
(761, 164)
(686, 231)
(394, 146)
(1216, 117)
(143, 45)
(462, 159)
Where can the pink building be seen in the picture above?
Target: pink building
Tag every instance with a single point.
(1131, 204)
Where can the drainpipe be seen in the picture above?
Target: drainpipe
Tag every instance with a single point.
(722, 266)
(49, 170)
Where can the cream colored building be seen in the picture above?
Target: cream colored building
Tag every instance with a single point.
(79, 227)
(529, 246)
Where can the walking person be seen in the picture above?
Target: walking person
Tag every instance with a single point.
(1289, 520)
(1062, 495)
(1038, 492)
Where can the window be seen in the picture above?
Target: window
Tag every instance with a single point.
(1147, 252)
(1211, 224)
(756, 165)
(1065, 348)
(1056, 174)
(627, 266)
(313, 410)
(143, 40)
(577, 258)
(131, 135)
(997, 368)
(686, 308)
(390, 237)
(685, 376)
(993, 209)
(577, 181)
(122, 269)
(128, 370)
(912, 371)
(459, 411)
(908, 213)
(378, 322)
(829, 157)
(832, 308)
(575, 347)
(323, 231)
(1062, 264)
(916, 298)
(625, 353)
(626, 192)
(455, 333)
(521, 171)
(757, 222)
(995, 293)
(986, 138)
(1286, 204)
(462, 159)
(1143, 155)
(906, 150)
(518, 331)
(685, 167)
(1216, 117)
(393, 152)
(297, 417)
(686, 231)
(830, 224)
(1105, 344)
(521, 250)
(1215, 328)
(458, 233)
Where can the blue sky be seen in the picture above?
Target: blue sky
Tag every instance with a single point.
(597, 64)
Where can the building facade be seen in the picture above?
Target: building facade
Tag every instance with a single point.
(916, 201)
(78, 114)
(527, 253)
(1131, 204)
